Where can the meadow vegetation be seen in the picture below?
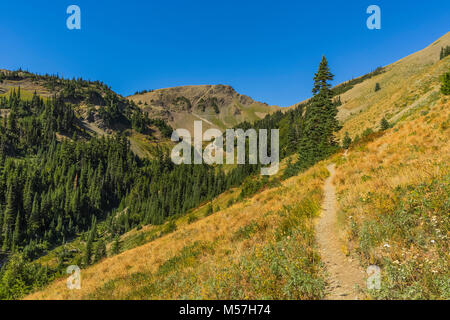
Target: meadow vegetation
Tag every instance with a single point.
(394, 201)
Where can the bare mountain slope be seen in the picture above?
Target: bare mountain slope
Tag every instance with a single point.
(218, 106)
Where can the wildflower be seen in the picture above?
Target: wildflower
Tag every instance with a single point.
(432, 241)
(386, 245)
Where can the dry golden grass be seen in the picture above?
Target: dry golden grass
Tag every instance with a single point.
(405, 85)
(377, 185)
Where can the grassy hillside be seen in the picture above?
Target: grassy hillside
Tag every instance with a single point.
(405, 86)
(258, 248)
(394, 201)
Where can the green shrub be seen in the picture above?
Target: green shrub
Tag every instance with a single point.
(170, 227)
(246, 231)
(367, 132)
(192, 218)
(384, 124)
(377, 87)
(347, 141)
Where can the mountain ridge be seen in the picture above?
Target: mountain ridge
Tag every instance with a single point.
(218, 106)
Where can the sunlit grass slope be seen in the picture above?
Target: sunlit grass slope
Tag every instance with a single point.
(394, 196)
(408, 84)
(393, 188)
(259, 248)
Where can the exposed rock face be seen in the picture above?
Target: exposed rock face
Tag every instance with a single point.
(219, 106)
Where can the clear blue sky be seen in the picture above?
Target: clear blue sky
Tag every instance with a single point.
(268, 50)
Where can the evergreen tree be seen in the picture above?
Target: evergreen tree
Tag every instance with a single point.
(115, 248)
(100, 250)
(384, 124)
(16, 234)
(347, 141)
(445, 51)
(210, 209)
(89, 243)
(445, 87)
(320, 121)
(8, 218)
(88, 251)
(377, 87)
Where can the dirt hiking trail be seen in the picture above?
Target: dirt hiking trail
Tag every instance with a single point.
(344, 274)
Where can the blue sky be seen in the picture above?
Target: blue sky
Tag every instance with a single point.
(268, 50)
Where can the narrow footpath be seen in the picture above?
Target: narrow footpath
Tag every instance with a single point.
(344, 274)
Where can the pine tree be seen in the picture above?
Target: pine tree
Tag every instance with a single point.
(27, 198)
(347, 141)
(34, 223)
(377, 87)
(384, 124)
(445, 51)
(445, 87)
(209, 209)
(115, 249)
(17, 234)
(88, 251)
(320, 123)
(8, 217)
(100, 250)
(91, 237)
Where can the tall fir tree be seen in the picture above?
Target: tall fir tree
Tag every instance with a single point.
(320, 121)
(347, 141)
(445, 87)
(384, 124)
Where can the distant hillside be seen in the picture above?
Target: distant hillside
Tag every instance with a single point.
(98, 109)
(405, 85)
(218, 106)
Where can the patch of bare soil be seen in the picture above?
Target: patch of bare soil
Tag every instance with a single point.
(345, 275)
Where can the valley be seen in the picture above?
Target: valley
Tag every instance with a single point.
(310, 231)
